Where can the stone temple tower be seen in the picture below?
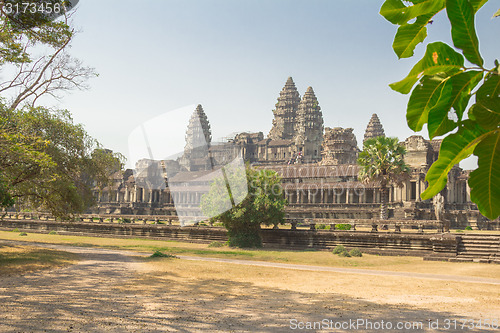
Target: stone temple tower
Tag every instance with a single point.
(374, 128)
(198, 139)
(285, 113)
(309, 127)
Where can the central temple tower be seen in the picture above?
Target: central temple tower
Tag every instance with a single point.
(285, 113)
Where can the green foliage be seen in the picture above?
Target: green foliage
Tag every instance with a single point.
(216, 244)
(159, 254)
(343, 226)
(23, 234)
(50, 163)
(264, 204)
(322, 227)
(52, 232)
(344, 253)
(445, 87)
(339, 249)
(382, 160)
(468, 227)
(355, 253)
(15, 230)
(459, 230)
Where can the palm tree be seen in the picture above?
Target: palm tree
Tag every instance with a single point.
(382, 160)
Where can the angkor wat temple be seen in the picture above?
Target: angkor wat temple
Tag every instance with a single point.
(317, 165)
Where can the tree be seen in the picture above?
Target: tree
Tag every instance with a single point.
(46, 161)
(21, 33)
(264, 204)
(445, 87)
(382, 160)
(49, 163)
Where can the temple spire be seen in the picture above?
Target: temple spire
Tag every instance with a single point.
(309, 130)
(374, 128)
(285, 112)
(198, 133)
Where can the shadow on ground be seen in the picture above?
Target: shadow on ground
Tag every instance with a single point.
(104, 293)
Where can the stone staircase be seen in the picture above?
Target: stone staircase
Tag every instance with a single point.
(479, 248)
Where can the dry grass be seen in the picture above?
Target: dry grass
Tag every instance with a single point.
(208, 281)
(319, 258)
(18, 260)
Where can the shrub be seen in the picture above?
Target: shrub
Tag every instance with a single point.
(159, 254)
(343, 226)
(355, 253)
(344, 254)
(53, 232)
(216, 244)
(15, 230)
(218, 224)
(339, 249)
(320, 226)
(23, 234)
(468, 227)
(125, 220)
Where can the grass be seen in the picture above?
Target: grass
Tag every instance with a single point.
(16, 260)
(309, 257)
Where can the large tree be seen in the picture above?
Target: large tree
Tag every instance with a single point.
(264, 204)
(382, 161)
(442, 84)
(46, 161)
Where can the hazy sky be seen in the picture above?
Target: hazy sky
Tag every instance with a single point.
(234, 56)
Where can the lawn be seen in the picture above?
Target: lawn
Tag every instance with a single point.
(18, 260)
(310, 257)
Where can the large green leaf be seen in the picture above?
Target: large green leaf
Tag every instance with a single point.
(455, 94)
(410, 35)
(486, 111)
(454, 148)
(463, 32)
(477, 4)
(438, 58)
(396, 12)
(485, 180)
(463, 84)
(422, 99)
(438, 121)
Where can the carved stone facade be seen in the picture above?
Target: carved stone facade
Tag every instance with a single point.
(318, 169)
(339, 147)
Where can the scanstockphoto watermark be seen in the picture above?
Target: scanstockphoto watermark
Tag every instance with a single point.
(356, 325)
(462, 324)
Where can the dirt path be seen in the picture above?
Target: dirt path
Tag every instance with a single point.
(111, 291)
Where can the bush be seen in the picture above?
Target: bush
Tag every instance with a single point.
(53, 232)
(343, 226)
(159, 254)
(339, 249)
(344, 254)
(468, 227)
(23, 234)
(125, 220)
(216, 244)
(355, 253)
(218, 224)
(322, 226)
(15, 230)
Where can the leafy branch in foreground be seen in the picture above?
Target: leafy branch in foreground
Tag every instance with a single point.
(442, 86)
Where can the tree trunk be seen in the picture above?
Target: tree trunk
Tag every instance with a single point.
(383, 203)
